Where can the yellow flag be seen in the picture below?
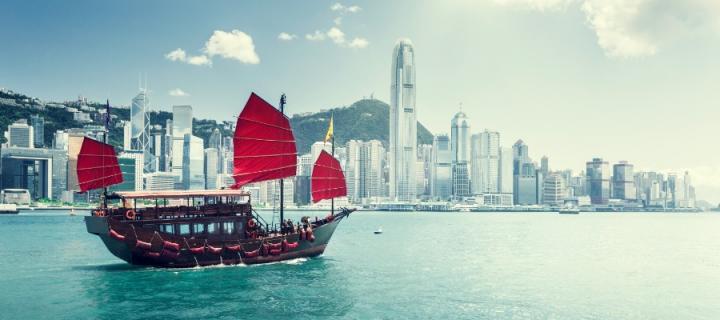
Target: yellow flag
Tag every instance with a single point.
(330, 130)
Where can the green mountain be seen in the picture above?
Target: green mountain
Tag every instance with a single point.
(365, 119)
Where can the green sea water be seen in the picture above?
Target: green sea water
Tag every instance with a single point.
(424, 266)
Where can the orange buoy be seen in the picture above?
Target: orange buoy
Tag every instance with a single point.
(130, 214)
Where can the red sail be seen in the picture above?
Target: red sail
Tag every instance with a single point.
(264, 144)
(97, 165)
(328, 180)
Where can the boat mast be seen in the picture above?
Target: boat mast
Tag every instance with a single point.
(282, 188)
(105, 140)
(332, 152)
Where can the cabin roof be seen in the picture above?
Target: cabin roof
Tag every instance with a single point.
(182, 194)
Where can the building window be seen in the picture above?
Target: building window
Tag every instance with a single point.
(198, 228)
(184, 229)
(213, 228)
(408, 110)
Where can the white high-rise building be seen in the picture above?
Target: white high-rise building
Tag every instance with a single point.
(403, 123)
(20, 134)
(211, 169)
(364, 169)
(506, 171)
(127, 135)
(193, 170)
(181, 125)
(485, 166)
(318, 147)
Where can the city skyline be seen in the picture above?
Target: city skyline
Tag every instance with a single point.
(537, 84)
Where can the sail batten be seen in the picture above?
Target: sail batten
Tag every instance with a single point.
(328, 180)
(264, 144)
(97, 166)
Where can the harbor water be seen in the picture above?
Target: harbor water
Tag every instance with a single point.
(424, 266)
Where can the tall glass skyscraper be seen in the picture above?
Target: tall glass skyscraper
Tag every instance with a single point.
(140, 129)
(598, 180)
(193, 170)
(403, 123)
(460, 147)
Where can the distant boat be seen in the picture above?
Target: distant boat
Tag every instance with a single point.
(8, 208)
(569, 207)
(569, 211)
(378, 231)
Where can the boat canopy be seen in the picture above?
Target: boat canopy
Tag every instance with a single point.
(328, 180)
(264, 144)
(181, 194)
(97, 165)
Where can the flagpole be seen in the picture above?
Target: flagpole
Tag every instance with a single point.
(332, 150)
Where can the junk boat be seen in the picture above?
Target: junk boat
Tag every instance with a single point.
(188, 228)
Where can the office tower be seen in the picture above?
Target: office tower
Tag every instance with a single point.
(553, 190)
(181, 125)
(505, 184)
(363, 169)
(623, 181)
(158, 181)
(520, 156)
(215, 140)
(301, 196)
(20, 135)
(425, 157)
(43, 172)
(598, 181)
(133, 161)
(544, 166)
(140, 128)
(193, 169)
(38, 125)
(305, 165)
(485, 166)
(441, 181)
(460, 152)
(403, 123)
(127, 135)
(211, 169)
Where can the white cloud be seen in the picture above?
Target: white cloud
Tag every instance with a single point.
(338, 7)
(317, 36)
(286, 36)
(637, 28)
(337, 21)
(336, 35)
(176, 55)
(177, 92)
(235, 45)
(358, 43)
(201, 60)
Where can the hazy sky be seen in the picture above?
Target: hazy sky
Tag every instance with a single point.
(634, 80)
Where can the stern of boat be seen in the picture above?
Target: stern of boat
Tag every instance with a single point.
(99, 226)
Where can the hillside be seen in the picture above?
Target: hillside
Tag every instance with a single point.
(365, 119)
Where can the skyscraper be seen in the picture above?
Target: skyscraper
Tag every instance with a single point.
(553, 190)
(181, 125)
(460, 153)
(127, 136)
(193, 169)
(441, 175)
(506, 172)
(140, 128)
(38, 124)
(403, 123)
(598, 181)
(623, 181)
(211, 169)
(20, 134)
(485, 165)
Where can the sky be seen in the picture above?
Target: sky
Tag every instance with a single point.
(635, 80)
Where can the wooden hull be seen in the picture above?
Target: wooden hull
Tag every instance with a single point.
(127, 250)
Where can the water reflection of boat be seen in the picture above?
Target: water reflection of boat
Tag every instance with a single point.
(210, 227)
